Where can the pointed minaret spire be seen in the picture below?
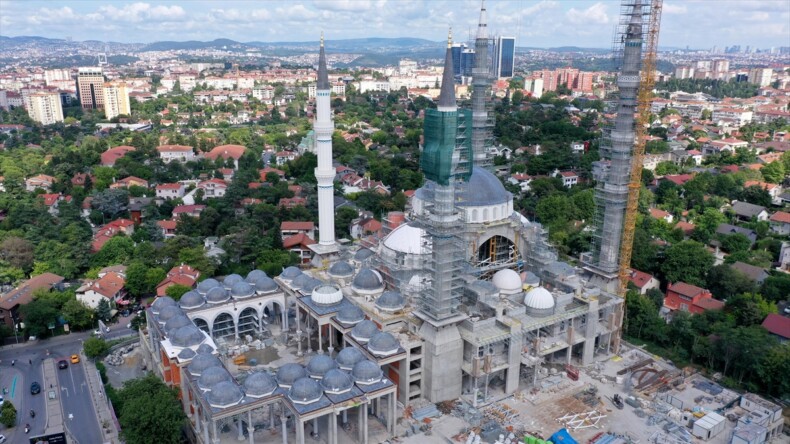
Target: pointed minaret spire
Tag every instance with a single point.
(323, 76)
(482, 27)
(447, 93)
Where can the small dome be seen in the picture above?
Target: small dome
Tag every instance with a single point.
(363, 331)
(187, 336)
(168, 312)
(351, 315)
(259, 384)
(201, 362)
(362, 254)
(390, 301)
(175, 322)
(507, 281)
(265, 284)
(366, 372)
(224, 394)
(326, 295)
(205, 348)
(408, 239)
(383, 344)
(309, 285)
(368, 279)
(539, 299)
(348, 357)
(231, 280)
(241, 290)
(337, 381)
(254, 275)
(341, 269)
(531, 279)
(290, 273)
(160, 303)
(305, 391)
(298, 281)
(191, 299)
(211, 376)
(289, 373)
(319, 365)
(217, 295)
(186, 354)
(204, 286)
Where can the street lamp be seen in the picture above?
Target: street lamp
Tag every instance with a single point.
(15, 327)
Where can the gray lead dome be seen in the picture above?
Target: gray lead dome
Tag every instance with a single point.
(365, 330)
(217, 295)
(191, 299)
(259, 384)
(168, 312)
(319, 365)
(185, 354)
(362, 254)
(390, 301)
(305, 391)
(290, 273)
(366, 372)
(264, 284)
(348, 357)
(289, 373)
(483, 189)
(350, 314)
(254, 275)
(187, 336)
(160, 303)
(177, 321)
(367, 279)
(211, 376)
(224, 394)
(231, 280)
(383, 344)
(242, 290)
(341, 269)
(337, 381)
(201, 362)
(204, 286)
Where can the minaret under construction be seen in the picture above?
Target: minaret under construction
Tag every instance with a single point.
(324, 172)
(482, 117)
(613, 171)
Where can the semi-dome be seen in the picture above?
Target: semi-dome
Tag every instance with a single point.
(160, 303)
(290, 273)
(217, 295)
(305, 391)
(507, 281)
(366, 372)
(191, 299)
(205, 348)
(531, 279)
(201, 362)
(348, 357)
(187, 336)
(383, 344)
(483, 189)
(168, 312)
(211, 376)
(259, 384)
(368, 280)
(254, 275)
(300, 280)
(362, 254)
(539, 299)
(319, 365)
(231, 280)
(365, 330)
(206, 285)
(337, 381)
(186, 354)
(224, 394)
(341, 269)
(350, 315)
(241, 290)
(175, 322)
(309, 285)
(408, 239)
(264, 284)
(289, 373)
(390, 301)
(326, 295)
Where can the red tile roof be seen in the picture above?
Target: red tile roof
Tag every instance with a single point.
(781, 216)
(709, 304)
(188, 209)
(173, 148)
(778, 325)
(640, 278)
(169, 186)
(685, 289)
(679, 179)
(300, 239)
(109, 157)
(297, 225)
(226, 151)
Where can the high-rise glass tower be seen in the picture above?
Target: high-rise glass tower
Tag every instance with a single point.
(504, 56)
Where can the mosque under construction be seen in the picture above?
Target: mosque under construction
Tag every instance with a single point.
(461, 297)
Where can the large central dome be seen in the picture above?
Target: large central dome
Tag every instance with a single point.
(484, 188)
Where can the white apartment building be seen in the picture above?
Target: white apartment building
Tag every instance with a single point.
(116, 99)
(760, 76)
(44, 107)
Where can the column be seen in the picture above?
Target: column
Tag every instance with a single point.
(331, 339)
(240, 426)
(345, 417)
(284, 423)
(365, 428)
(205, 432)
(362, 412)
(214, 432)
(391, 414)
(315, 433)
(320, 338)
(299, 430)
(250, 427)
(333, 428)
(298, 334)
(271, 416)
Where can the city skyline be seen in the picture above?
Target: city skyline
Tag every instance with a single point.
(545, 23)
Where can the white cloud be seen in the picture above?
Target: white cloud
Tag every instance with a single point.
(343, 5)
(671, 8)
(594, 15)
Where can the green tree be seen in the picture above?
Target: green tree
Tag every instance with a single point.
(141, 280)
(18, 252)
(736, 242)
(117, 250)
(774, 172)
(95, 347)
(149, 411)
(175, 291)
(553, 208)
(39, 314)
(749, 308)
(706, 223)
(687, 261)
(776, 287)
(343, 218)
(725, 282)
(8, 414)
(77, 314)
(103, 310)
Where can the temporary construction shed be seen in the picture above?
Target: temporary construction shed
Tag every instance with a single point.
(708, 426)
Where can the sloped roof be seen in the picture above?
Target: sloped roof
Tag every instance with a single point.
(778, 325)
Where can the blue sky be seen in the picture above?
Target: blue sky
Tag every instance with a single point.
(544, 23)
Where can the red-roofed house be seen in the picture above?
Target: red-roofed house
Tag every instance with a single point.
(168, 228)
(687, 297)
(773, 190)
(292, 228)
(40, 181)
(281, 157)
(130, 181)
(300, 244)
(268, 170)
(178, 153)
(292, 202)
(227, 152)
(656, 213)
(687, 227)
(180, 275)
(170, 191)
(189, 210)
(778, 325)
(213, 188)
(51, 201)
(678, 179)
(109, 287)
(643, 281)
(109, 157)
(113, 228)
(780, 223)
(365, 226)
(79, 179)
(569, 178)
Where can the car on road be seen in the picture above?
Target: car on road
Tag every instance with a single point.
(126, 313)
(75, 359)
(35, 388)
(2, 400)
(63, 364)
(2, 439)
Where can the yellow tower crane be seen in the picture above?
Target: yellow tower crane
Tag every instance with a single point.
(645, 94)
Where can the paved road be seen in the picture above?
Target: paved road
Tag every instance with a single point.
(78, 413)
